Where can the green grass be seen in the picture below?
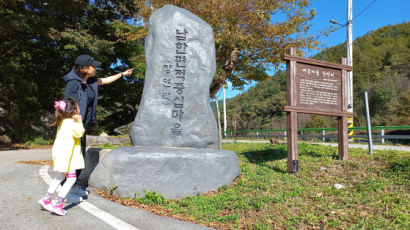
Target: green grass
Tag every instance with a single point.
(375, 194)
(111, 146)
(152, 198)
(106, 146)
(38, 141)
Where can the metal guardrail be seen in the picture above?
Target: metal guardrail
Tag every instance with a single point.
(267, 133)
(326, 129)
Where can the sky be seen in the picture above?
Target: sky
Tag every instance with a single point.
(380, 13)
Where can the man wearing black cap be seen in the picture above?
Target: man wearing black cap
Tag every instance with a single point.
(83, 86)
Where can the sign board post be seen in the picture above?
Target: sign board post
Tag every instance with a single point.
(315, 87)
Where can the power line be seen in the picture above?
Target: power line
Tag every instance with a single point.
(361, 12)
(341, 25)
(357, 15)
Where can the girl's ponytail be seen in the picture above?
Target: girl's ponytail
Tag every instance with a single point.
(63, 109)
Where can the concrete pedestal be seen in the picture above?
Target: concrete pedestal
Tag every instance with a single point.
(172, 172)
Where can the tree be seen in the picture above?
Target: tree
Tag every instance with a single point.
(41, 39)
(262, 106)
(401, 109)
(250, 36)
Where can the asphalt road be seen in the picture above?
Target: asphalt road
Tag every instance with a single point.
(21, 185)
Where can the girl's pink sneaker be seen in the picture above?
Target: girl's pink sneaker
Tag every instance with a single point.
(45, 204)
(57, 208)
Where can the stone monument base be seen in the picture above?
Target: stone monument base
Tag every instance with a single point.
(172, 172)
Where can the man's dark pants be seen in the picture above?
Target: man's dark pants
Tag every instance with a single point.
(81, 180)
(91, 160)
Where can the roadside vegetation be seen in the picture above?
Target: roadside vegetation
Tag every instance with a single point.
(375, 193)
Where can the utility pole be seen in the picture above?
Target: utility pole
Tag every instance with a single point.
(349, 60)
(369, 126)
(224, 102)
(219, 122)
(349, 46)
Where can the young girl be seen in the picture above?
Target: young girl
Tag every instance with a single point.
(66, 153)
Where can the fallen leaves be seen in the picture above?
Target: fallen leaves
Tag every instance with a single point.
(37, 162)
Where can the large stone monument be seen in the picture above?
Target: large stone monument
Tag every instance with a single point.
(174, 134)
(180, 66)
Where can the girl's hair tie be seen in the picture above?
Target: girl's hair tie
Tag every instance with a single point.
(60, 105)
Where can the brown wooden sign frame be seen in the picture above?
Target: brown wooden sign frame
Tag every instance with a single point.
(293, 108)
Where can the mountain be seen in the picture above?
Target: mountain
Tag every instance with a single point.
(381, 66)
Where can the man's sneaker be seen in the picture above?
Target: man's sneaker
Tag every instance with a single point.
(57, 209)
(72, 198)
(79, 191)
(45, 204)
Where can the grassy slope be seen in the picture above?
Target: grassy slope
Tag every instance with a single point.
(375, 194)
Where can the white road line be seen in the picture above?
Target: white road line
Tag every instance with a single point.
(93, 210)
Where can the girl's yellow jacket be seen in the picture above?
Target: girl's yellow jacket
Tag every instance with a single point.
(66, 150)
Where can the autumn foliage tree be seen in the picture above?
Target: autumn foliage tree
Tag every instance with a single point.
(250, 35)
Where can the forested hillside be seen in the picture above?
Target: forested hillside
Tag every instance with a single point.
(381, 63)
